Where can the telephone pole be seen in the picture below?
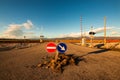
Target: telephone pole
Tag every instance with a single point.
(83, 39)
(81, 26)
(105, 30)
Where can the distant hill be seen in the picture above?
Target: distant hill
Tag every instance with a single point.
(98, 38)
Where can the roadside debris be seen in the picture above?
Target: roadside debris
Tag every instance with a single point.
(59, 64)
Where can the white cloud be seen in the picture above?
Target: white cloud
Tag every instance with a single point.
(99, 30)
(13, 31)
(28, 24)
(16, 30)
(114, 33)
(29, 33)
(70, 35)
(78, 34)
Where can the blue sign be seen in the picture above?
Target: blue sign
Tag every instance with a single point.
(61, 47)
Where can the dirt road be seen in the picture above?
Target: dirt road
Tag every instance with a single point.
(96, 64)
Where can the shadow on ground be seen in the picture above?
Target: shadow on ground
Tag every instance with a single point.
(77, 59)
(96, 52)
(99, 51)
(7, 48)
(99, 45)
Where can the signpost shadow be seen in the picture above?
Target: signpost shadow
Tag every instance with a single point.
(96, 52)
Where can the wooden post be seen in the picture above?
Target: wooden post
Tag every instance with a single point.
(81, 26)
(104, 30)
(56, 56)
(57, 53)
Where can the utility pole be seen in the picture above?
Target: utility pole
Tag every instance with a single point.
(105, 30)
(83, 39)
(81, 26)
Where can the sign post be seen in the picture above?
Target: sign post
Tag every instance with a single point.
(91, 33)
(56, 56)
(61, 48)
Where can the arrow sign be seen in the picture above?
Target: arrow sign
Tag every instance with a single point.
(51, 47)
(61, 47)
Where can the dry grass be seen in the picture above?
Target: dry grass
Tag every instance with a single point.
(111, 46)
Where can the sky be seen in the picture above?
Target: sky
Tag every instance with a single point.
(58, 18)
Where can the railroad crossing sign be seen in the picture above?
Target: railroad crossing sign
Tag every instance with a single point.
(61, 47)
(51, 47)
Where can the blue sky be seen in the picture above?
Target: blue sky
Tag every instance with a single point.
(57, 17)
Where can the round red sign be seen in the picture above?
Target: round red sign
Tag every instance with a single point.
(51, 47)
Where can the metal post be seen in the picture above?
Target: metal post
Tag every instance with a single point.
(91, 41)
(24, 40)
(41, 36)
(91, 37)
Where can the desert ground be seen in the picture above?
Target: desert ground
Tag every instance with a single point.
(95, 64)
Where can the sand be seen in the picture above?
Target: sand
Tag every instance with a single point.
(96, 64)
